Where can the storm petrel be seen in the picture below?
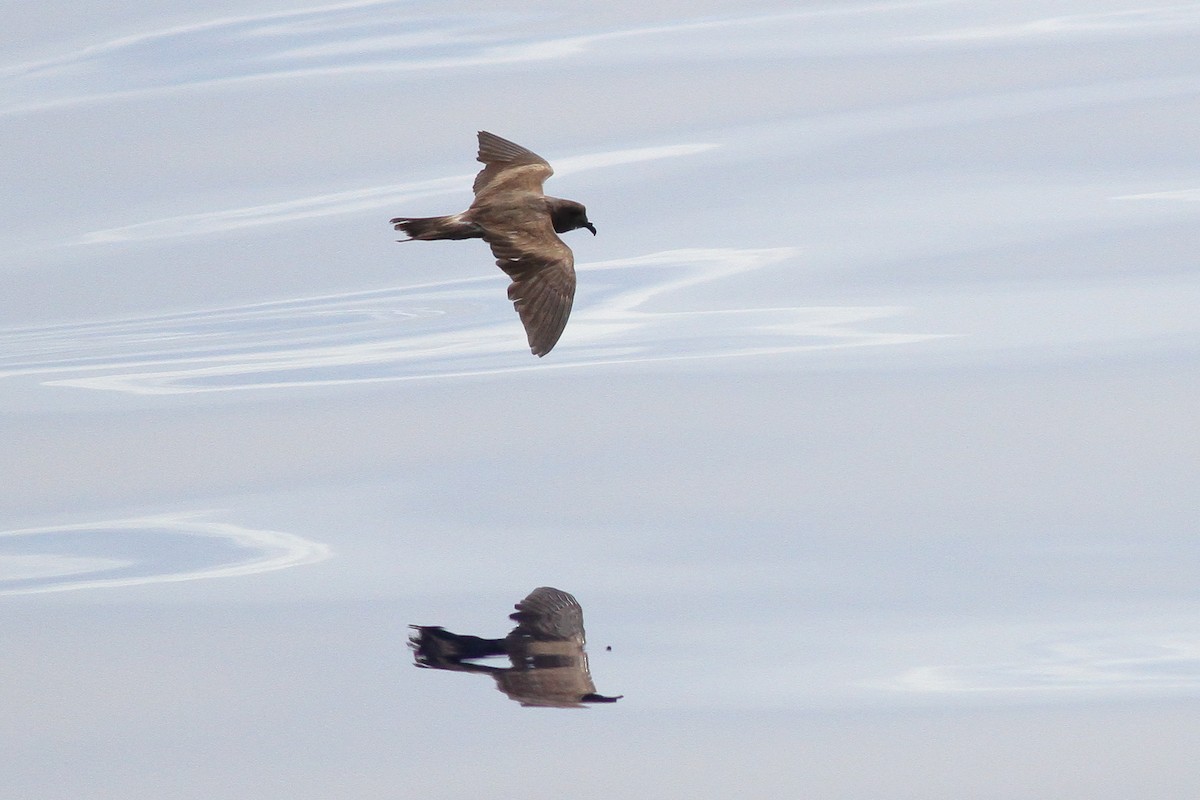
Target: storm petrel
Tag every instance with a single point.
(520, 224)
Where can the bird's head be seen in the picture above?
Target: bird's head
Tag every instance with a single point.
(567, 215)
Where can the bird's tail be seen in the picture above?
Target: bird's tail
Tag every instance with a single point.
(450, 227)
(434, 646)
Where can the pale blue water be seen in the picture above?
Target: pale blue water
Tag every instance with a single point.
(870, 447)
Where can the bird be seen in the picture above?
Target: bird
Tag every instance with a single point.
(520, 223)
(545, 649)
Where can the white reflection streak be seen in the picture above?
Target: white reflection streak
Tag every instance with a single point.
(125, 42)
(279, 551)
(1182, 195)
(356, 200)
(239, 49)
(411, 333)
(1167, 17)
(1114, 665)
(38, 567)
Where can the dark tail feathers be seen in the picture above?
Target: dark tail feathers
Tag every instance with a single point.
(435, 646)
(451, 227)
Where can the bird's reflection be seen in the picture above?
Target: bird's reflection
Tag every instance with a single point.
(548, 664)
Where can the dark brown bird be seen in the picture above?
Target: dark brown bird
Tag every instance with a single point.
(520, 223)
(546, 651)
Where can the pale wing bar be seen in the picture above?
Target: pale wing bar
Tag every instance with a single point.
(500, 154)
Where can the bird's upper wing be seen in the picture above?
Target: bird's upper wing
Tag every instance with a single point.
(549, 614)
(507, 165)
(542, 269)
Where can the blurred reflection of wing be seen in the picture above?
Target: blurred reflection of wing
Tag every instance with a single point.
(547, 674)
(548, 614)
(545, 649)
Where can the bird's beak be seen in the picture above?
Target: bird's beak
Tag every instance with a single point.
(591, 228)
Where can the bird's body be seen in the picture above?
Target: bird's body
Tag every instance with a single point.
(520, 223)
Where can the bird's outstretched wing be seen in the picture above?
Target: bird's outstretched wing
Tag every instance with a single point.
(508, 166)
(542, 269)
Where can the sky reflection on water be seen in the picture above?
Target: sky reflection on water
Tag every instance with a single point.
(454, 328)
(870, 447)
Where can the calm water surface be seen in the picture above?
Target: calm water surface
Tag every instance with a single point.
(870, 448)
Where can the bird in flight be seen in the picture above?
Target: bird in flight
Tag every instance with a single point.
(520, 224)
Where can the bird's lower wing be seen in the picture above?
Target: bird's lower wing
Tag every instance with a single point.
(542, 288)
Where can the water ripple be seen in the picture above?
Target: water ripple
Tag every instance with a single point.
(355, 200)
(358, 37)
(1105, 665)
(1170, 18)
(166, 548)
(444, 329)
